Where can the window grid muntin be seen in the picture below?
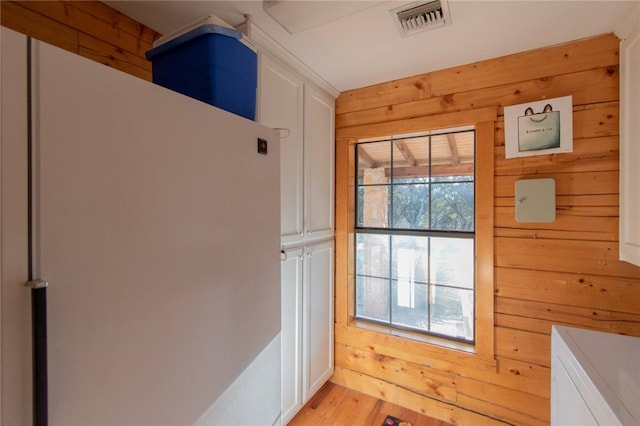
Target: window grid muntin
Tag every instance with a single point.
(391, 231)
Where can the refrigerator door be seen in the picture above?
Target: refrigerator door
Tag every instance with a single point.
(157, 228)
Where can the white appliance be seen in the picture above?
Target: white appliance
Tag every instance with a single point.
(595, 378)
(157, 227)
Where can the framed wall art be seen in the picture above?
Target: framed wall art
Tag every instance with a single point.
(539, 128)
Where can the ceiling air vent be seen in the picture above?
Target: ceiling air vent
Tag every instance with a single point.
(421, 16)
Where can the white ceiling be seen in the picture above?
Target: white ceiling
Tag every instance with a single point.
(365, 48)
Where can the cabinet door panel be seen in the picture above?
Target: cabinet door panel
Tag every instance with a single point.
(630, 144)
(291, 302)
(319, 163)
(318, 339)
(567, 406)
(281, 106)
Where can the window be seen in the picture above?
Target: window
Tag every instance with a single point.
(415, 233)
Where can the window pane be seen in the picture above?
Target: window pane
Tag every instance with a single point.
(372, 205)
(372, 298)
(453, 154)
(410, 259)
(411, 206)
(452, 206)
(372, 255)
(452, 312)
(410, 304)
(373, 156)
(452, 262)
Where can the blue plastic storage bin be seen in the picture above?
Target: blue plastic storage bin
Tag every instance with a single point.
(211, 64)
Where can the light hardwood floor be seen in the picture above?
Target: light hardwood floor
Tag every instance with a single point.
(338, 406)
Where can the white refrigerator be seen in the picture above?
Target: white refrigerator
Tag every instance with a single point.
(155, 222)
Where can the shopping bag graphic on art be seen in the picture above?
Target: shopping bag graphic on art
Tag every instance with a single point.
(538, 131)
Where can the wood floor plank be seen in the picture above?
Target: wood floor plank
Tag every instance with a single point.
(338, 406)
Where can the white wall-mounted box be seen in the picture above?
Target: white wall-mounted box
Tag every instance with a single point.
(535, 200)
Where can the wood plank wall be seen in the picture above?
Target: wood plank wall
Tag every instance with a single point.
(565, 272)
(87, 28)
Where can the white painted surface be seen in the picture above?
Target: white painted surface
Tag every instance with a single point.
(159, 236)
(289, 101)
(307, 324)
(292, 309)
(16, 299)
(365, 48)
(317, 341)
(594, 376)
(281, 106)
(254, 397)
(630, 139)
(319, 164)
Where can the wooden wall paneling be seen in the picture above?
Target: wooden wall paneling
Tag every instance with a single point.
(596, 120)
(589, 291)
(593, 85)
(25, 21)
(582, 183)
(499, 411)
(589, 155)
(403, 397)
(90, 29)
(524, 346)
(117, 20)
(66, 12)
(421, 379)
(442, 358)
(392, 92)
(571, 223)
(539, 317)
(437, 121)
(579, 257)
(518, 401)
(108, 54)
(515, 374)
(600, 51)
(484, 250)
(344, 228)
(586, 202)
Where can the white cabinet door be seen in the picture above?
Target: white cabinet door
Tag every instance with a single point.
(319, 164)
(281, 106)
(291, 334)
(318, 317)
(630, 141)
(567, 405)
(306, 116)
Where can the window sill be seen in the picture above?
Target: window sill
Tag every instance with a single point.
(442, 342)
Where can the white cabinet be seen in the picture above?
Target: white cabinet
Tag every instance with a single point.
(282, 107)
(317, 301)
(595, 378)
(307, 324)
(319, 163)
(306, 116)
(291, 334)
(630, 138)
